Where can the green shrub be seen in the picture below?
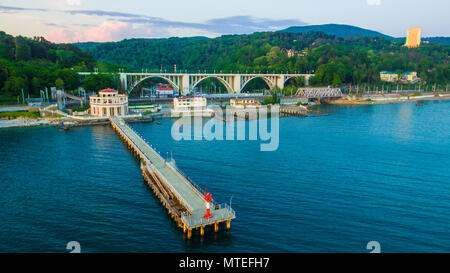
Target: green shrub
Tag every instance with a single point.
(17, 114)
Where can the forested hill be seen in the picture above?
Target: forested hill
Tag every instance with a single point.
(334, 60)
(32, 64)
(343, 31)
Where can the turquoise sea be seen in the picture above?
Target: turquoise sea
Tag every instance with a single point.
(362, 173)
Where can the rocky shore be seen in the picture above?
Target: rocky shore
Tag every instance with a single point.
(386, 98)
(23, 123)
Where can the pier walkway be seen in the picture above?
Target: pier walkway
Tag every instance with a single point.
(181, 197)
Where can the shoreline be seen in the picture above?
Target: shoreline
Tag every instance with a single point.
(386, 99)
(69, 123)
(345, 101)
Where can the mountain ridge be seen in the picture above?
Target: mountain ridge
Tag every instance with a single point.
(340, 30)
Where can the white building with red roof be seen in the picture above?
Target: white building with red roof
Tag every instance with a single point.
(108, 103)
(164, 91)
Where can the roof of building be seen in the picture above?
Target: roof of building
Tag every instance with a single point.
(409, 72)
(387, 72)
(164, 89)
(108, 90)
(190, 97)
(34, 100)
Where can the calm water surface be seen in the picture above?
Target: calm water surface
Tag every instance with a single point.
(335, 183)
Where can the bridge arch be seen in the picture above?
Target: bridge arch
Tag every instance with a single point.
(173, 84)
(224, 82)
(269, 82)
(286, 79)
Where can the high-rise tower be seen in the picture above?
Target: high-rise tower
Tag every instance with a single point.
(414, 36)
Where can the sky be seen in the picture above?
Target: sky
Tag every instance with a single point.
(113, 20)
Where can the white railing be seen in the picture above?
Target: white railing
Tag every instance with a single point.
(193, 222)
(179, 173)
(186, 179)
(154, 169)
(172, 188)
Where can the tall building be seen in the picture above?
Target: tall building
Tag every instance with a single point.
(414, 37)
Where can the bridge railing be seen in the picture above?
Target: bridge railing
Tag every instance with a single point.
(319, 92)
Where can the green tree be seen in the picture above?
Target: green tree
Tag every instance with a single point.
(36, 85)
(23, 50)
(59, 83)
(96, 82)
(14, 85)
(71, 78)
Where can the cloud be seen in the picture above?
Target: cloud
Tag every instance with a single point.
(113, 31)
(103, 13)
(64, 36)
(122, 25)
(9, 8)
(73, 2)
(373, 2)
(105, 32)
(248, 24)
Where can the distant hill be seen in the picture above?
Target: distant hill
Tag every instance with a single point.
(442, 40)
(343, 31)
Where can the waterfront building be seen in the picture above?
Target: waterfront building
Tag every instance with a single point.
(164, 92)
(414, 37)
(194, 105)
(407, 77)
(294, 101)
(410, 77)
(34, 102)
(244, 103)
(108, 103)
(388, 76)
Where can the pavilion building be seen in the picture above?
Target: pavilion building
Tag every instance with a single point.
(108, 103)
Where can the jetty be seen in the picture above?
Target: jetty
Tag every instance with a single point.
(293, 111)
(190, 208)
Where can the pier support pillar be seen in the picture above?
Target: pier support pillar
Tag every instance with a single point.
(216, 227)
(189, 233)
(228, 224)
(202, 230)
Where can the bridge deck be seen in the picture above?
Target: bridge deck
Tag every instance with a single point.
(179, 185)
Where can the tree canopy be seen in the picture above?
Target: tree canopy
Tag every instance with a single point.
(334, 60)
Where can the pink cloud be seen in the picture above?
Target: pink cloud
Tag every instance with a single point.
(64, 36)
(106, 31)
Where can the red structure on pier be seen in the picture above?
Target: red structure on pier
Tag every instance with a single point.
(208, 199)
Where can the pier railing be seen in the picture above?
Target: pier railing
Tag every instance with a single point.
(200, 221)
(185, 178)
(175, 170)
(154, 169)
(179, 196)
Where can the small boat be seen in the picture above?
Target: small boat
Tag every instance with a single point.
(62, 127)
(420, 104)
(157, 122)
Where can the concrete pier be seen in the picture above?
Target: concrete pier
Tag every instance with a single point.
(183, 200)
